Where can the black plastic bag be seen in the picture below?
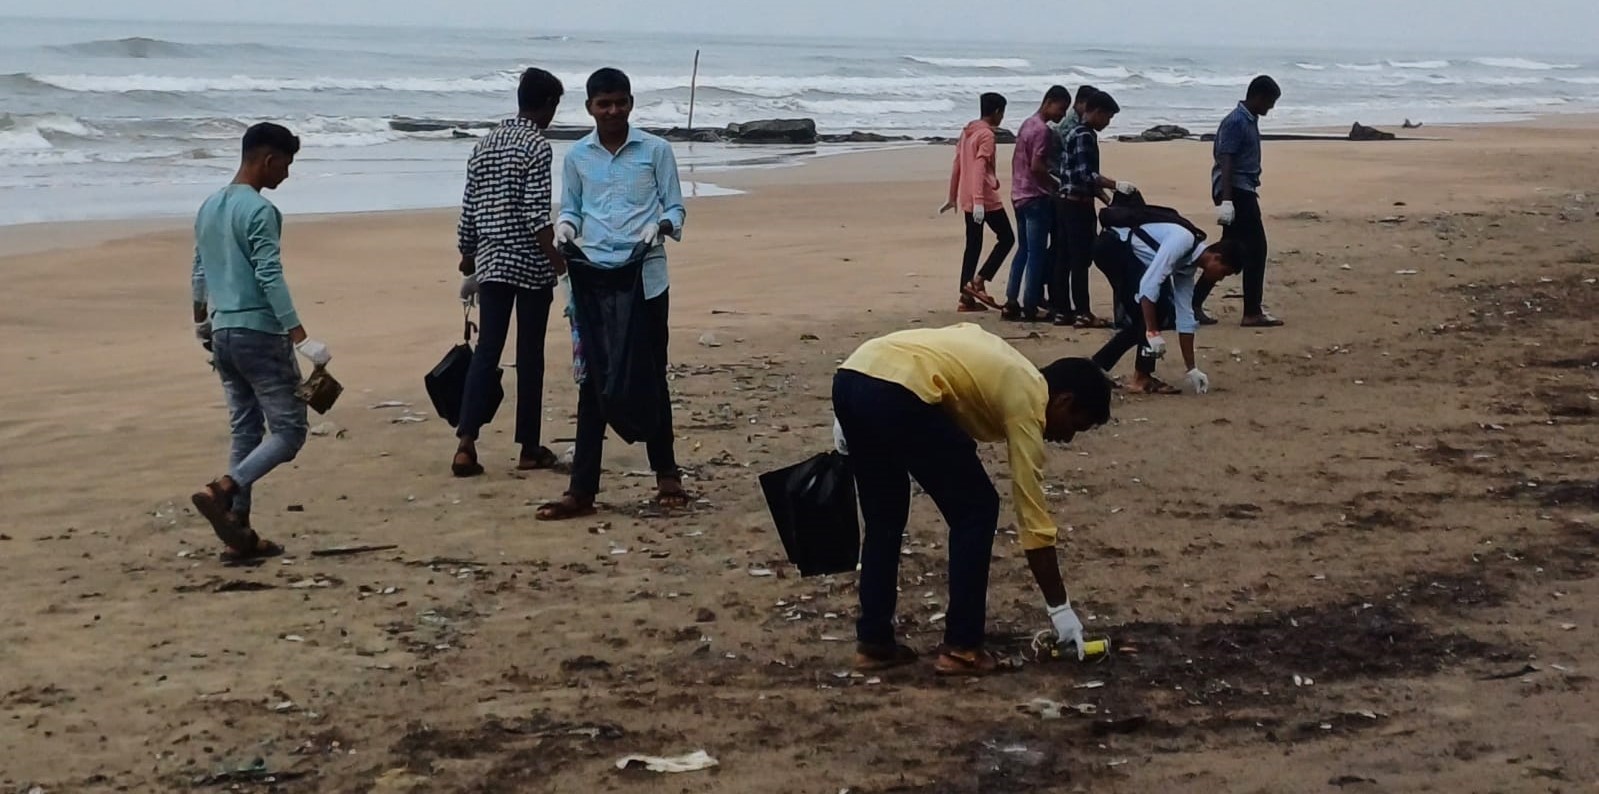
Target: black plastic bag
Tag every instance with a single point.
(446, 383)
(617, 349)
(813, 505)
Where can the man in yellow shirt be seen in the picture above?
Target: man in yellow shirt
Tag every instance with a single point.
(914, 404)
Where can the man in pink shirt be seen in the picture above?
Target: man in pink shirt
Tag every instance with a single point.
(974, 188)
(1031, 191)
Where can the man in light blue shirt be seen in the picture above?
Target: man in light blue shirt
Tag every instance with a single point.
(620, 192)
(1167, 261)
(243, 314)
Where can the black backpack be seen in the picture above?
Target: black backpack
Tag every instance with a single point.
(1136, 216)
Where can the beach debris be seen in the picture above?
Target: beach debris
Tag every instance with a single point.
(693, 762)
(1509, 674)
(810, 338)
(1406, 272)
(1392, 220)
(328, 429)
(254, 772)
(409, 418)
(761, 573)
(1302, 681)
(1042, 708)
(345, 551)
(709, 339)
(386, 404)
(704, 615)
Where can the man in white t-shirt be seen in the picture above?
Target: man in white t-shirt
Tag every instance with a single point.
(1165, 261)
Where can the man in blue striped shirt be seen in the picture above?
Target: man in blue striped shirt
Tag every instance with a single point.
(619, 189)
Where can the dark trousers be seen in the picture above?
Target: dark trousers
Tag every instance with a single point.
(1078, 225)
(893, 436)
(532, 307)
(1249, 229)
(1113, 258)
(591, 416)
(1004, 241)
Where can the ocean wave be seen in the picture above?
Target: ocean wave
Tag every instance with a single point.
(1522, 63)
(871, 107)
(1312, 67)
(1361, 67)
(1579, 80)
(972, 63)
(109, 84)
(35, 133)
(1175, 79)
(132, 47)
(1104, 72)
(1419, 64)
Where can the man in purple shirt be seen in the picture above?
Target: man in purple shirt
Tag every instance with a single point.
(1032, 189)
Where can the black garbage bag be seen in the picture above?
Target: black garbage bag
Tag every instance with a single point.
(617, 350)
(813, 505)
(446, 383)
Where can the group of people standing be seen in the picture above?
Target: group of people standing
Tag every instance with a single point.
(1057, 183)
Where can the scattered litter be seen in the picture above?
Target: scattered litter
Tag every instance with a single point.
(1302, 681)
(937, 616)
(708, 339)
(1345, 267)
(1525, 670)
(285, 706)
(1406, 272)
(293, 638)
(328, 429)
(1041, 708)
(761, 573)
(345, 551)
(693, 762)
(408, 419)
(1568, 627)
(1091, 685)
(390, 404)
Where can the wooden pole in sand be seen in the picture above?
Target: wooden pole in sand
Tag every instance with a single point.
(693, 85)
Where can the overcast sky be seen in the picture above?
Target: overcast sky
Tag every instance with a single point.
(1521, 26)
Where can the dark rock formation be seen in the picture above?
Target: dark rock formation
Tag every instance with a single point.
(1361, 132)
(791, 131)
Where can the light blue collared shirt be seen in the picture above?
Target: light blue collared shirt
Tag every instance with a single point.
(1174, 262)
(611, 199)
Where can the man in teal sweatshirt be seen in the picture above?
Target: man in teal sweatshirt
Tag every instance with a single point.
(243, 314)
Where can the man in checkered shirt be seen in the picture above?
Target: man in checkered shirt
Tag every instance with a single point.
(509, 261)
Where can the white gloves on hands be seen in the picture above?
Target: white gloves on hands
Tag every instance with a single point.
(468, 288)
(565, 233)
(1199, 381)
(651, 234)
(1126, 188)
(314, 352)
(838, 438)
(1157, 345)
(1068, 627)
(1226, 213)
(979, 213)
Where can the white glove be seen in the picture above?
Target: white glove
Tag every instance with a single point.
(979, 213)
(468, 288)
(652, 233)
(565, 233)
(1199, 381)
(1157, 345)
(202, 332)
(1068, 628)
(1126, 188)
(1226, 213)
(948, 205)
(314, 352)
(838, 438)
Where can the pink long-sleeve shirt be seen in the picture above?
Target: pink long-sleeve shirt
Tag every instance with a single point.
(973, 180)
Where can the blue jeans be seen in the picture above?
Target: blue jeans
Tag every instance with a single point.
(894, 436)
(1031, 268)
(259, 376)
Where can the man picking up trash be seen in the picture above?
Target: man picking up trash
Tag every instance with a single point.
(914, 404)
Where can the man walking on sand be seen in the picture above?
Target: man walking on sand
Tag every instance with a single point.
(243, 313)
(974, 189)
(1235, 188)
(1084, 184)
(913, 405)
(509, 261)
(619, 192)
(1030, 190)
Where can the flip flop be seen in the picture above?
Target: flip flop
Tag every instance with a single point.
(969, 306)
(877, 658)
(542, 459)
(470, 468)
(967, 664)
(670, 494)
(1262, 321)
(981, 296)
(566, 508)
(1090, 321)
(258, 549)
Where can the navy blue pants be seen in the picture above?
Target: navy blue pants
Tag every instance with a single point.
(497, 303)
(894, 436)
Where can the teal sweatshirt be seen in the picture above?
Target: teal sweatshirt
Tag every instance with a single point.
(238, 270)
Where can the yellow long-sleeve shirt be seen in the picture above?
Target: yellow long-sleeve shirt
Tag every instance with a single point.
(989, 388)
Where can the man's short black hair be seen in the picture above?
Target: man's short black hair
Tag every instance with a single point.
(1085, 91)
(1088, 385)
(267, 135)
(1265, 88)
(991, 103)
(538, 90)
(1102, 101)
(1058, 93)
(1231, 252)
(609, 81)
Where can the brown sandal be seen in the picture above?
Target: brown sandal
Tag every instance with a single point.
(257, 549)
(541, 459)
(877, 658)
(671, 495)
(971, 664)
(215, 503)
(566, 508)
(981, 296)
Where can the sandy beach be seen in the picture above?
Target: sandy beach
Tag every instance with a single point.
(1364, 562)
